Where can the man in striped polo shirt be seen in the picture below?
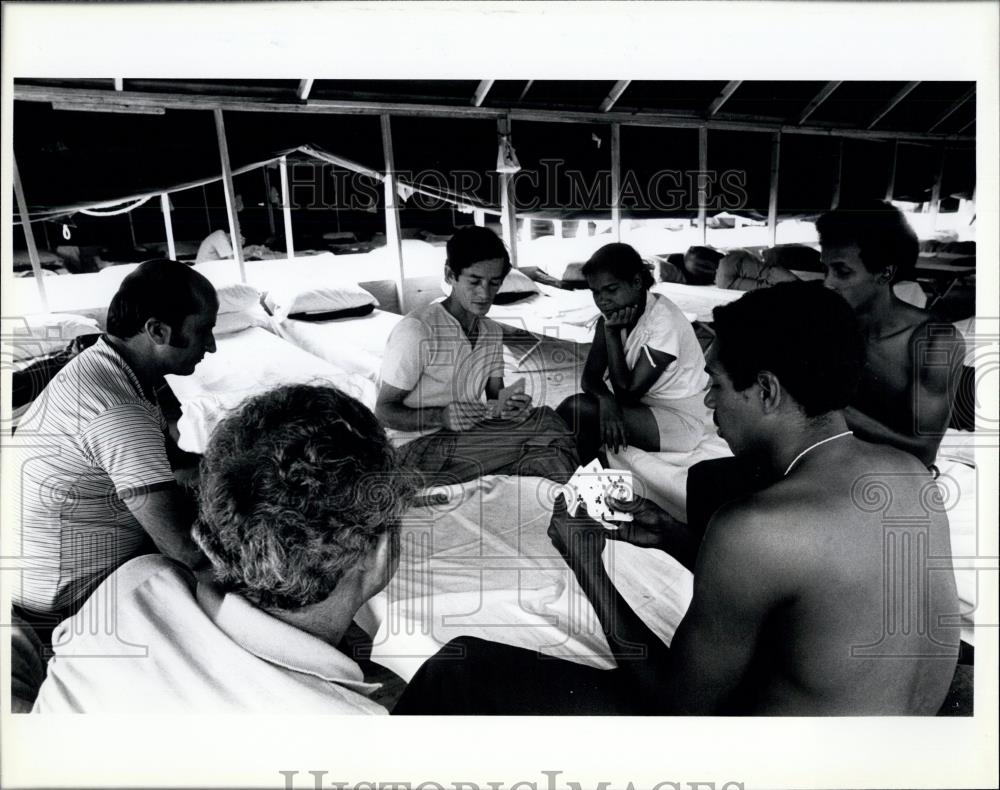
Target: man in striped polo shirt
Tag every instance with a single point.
(96, 484)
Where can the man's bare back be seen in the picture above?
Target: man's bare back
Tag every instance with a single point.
(846, 582)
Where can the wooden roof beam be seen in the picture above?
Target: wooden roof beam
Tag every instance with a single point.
(481, 90)
(951, 110)
(818, 99)
(905, 91)
(723, 97)
(119, 83)
(614, 95)
(303, 90)
(673, 120)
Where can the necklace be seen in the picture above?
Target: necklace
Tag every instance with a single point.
(812, 447)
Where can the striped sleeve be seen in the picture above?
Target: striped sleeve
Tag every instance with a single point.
(127, 443)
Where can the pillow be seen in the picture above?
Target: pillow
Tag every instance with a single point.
(236, 321)
(516, 285)
(298, 295)
(574, 273)
(236, 297)
(37, 335)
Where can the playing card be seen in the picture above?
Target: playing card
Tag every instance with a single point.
(516, 388)
(599, 487)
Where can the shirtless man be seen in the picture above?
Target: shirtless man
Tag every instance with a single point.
(789, 613)
(911, 364)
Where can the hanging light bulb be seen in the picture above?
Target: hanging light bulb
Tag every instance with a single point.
(506, 158)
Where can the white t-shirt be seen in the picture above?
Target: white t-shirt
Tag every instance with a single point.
(153, 640)
(429, 355)
(663, 327)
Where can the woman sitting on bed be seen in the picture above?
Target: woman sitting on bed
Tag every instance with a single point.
(644, 380)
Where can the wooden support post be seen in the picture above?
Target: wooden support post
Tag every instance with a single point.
(393, 235)
(835, 201)
(936, 190)
(131, 230)
(702, 193)
(286, 208)
(208, 214)
(526, 229)
(772, 202)
(616, 180)
(890, 188)
(508, 212)
(557, 228)
(236, 237)
(168, 227)
(479, 217)
(29, 239)
(267, 200)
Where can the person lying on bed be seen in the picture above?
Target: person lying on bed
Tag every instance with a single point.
(791, 611)
(912, 363)
(439, 362)
(103, 486)
(297, 544)
(644, 378)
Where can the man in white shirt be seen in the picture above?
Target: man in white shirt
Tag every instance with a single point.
(442, 359)
(299, 505)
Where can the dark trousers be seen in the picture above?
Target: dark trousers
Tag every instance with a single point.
(471, 676)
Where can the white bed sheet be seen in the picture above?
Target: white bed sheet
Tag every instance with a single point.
(697, 301)
(356, 345)
(482, 565)
(245, 364)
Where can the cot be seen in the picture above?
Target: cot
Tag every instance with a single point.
(481, 564)
(247, 363)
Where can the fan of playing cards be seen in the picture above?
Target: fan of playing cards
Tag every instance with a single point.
(593, 486)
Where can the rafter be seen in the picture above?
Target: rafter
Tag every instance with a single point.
(303, 90)
(905, 91)
(954, 108)
(818, 99)
(723, 97)
(614, 95)
(527, 88)
(481, 90)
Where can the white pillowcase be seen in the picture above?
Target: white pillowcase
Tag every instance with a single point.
(228, 323)
(236, 297)
(516, 282)
(36, 335)
(299, 295)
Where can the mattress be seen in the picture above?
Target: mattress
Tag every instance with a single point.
(248, 363)
(696, 301)
(481, 564)
(355, 345)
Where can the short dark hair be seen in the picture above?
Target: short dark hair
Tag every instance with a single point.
(880, 230)
(621, 261)
(472, 245)
(296, 489)
(705, 253)
(803, 333)
(161, 289)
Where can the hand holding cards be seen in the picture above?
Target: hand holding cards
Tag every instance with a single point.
(507, 406)
(594, 487)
